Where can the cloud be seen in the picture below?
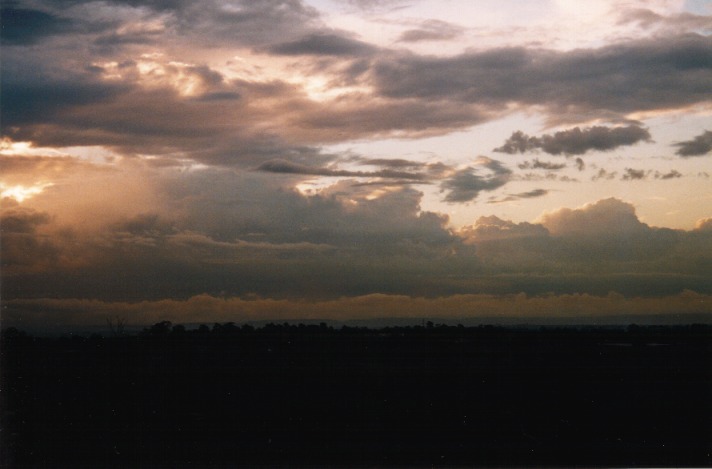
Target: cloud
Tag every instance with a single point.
(28, 170)
(605, 217)
(704, 224)
(287, 167)
(25, 248)
(648, 19)
(536, 164)
(672, 174)
(237, 23)
(494, 228)
(466, 184)
(522, 195)
(194, 231)
(185, 232)
(634, 174)
(574, 85)
(392, 162)
(29, 100)
(576, 141)
(323, 45)
(698, 146)
(596, 248)
(604, 174)
(377, 4)
(566, 309)
(158, 107)
(432, 30)
(120, 92)
(22, 26)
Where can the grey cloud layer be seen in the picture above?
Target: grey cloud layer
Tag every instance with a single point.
(613, 80)
(64, 94)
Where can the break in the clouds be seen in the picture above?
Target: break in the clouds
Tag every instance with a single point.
(698, 146)
(241, 159)
(576, 141)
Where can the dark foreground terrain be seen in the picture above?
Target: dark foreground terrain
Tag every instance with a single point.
(310, 395)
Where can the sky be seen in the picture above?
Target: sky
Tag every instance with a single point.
(218, 161)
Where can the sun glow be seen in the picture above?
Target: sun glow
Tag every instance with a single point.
(21, 193)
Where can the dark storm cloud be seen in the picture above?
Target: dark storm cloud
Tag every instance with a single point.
(580, 164)
(431, 30)
(576, 141)
(649, 74)
(323, 45)
(466, 184)
(29, 99)
(22, 26)
(288, 167)
(698, 146)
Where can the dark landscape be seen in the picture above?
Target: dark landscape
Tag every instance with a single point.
(303, 395)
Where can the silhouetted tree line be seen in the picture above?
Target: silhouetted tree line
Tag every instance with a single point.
(226, 395)
(166, 329)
